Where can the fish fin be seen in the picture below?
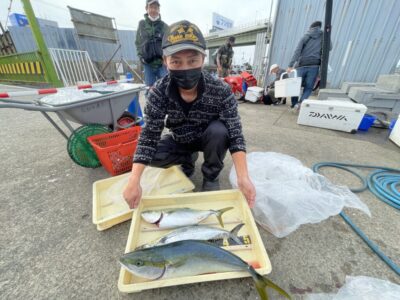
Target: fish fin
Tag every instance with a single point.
(177, 264)
(219, 213)
(234, 233)
(263, 282)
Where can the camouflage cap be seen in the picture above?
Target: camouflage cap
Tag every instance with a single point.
(183, 35)
(148, 2)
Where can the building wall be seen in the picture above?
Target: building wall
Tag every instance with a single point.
(365, 36)
(66, 38)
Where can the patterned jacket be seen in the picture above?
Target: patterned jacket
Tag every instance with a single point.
(215, 103)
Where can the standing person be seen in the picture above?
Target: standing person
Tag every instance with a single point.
(307, 59)
(270, 98)
(201, 114)
(224, 57)
(148, 43)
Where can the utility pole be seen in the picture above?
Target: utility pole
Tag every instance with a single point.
(49, 70)
(326, 44)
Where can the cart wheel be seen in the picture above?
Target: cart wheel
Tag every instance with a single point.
(79, 149)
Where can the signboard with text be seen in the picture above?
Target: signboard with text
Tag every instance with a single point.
(220, 22)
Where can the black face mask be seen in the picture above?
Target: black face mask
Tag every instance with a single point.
(186, 79)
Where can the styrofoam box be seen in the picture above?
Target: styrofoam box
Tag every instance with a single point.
(142, 232)
(395, 134)
(253, 93)
(331, 114)
(109, 206)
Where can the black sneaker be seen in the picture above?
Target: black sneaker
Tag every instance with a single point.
(210, 185)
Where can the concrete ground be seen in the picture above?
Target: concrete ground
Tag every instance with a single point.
(49, 248)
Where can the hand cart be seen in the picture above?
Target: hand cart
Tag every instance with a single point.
(102, 110)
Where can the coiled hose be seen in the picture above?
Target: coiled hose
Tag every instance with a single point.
(384, 183)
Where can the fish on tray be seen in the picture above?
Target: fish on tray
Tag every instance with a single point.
(180, 217)
(189, 258)
(197, 232)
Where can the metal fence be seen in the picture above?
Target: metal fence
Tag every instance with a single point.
(23, 67)
(73, 66)
(365, 36)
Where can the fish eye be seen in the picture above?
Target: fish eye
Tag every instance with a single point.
(139, 263)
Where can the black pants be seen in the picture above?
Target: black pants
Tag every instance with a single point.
(213, 143)
(270, 99)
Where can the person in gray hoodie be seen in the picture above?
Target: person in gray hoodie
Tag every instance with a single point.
(307, 59)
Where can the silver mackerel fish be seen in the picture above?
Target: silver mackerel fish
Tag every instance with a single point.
(197, 232)
(180, 217)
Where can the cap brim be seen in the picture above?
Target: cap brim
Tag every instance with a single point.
(180, 47)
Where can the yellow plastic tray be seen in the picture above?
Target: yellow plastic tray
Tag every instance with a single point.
(110, 208)
(142, 232)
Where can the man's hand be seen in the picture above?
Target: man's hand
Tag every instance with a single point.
(132, 193)
(243, 179)
(289, 70)
(248, 190)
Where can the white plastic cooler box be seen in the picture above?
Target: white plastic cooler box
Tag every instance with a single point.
(254, 93)
(395, 134)
(288, 87)
(332, 114)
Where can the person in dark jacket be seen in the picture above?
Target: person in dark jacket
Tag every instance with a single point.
(225, 57)
(148, 43)
(269, 98)
(307, 59)
(201, 114)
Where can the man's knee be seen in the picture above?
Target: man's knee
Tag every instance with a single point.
(217, 130)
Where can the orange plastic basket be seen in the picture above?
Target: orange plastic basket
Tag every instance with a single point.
(115, 150)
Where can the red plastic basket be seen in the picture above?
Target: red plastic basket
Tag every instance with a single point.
(115, 150)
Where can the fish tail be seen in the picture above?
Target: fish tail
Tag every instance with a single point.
(234, 233)
(263, 282)
(219, 213)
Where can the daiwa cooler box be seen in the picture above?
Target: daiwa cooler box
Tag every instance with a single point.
(332, 114)
(395, 134)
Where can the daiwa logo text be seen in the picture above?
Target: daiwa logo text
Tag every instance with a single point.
(327, 116)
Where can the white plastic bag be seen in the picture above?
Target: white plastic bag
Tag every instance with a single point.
(67, 95)
(362, 288)
(290, 194)
(149, 181)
